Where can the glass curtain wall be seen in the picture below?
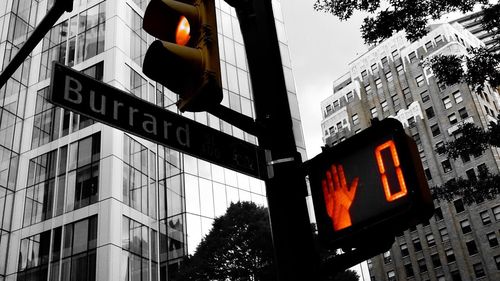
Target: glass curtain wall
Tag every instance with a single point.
(17, 19)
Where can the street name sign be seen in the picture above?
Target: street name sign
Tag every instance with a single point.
(87, 96)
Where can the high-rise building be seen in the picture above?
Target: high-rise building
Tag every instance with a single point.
(80, 200)
(460, 242)
(473, 24)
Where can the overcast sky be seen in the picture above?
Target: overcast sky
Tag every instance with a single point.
(320, 48)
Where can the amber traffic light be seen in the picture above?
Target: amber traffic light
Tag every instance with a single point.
(369, 188)
(185, 59)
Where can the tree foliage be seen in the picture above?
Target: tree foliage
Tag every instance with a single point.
(413, 17)
(238, 247)
(473, 190)
(472, 140)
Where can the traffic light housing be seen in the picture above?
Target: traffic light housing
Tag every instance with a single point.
(369, 188)
(185, 59)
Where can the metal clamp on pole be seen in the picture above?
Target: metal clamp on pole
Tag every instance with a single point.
(270, 162)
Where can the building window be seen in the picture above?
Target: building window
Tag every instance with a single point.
(455, 275)
(139, 177)
(428, 45)
(395, 55)
(378, 83)
(446, 166)
(416, 244)
(409, 270)
(430, 112)
(407, 95)
(459, 205)
(421, 265)
(419, 80)
(328, 110)
(374, 68)
(82, 36)
(425, 96)
(138, 85)
(395, 101)
(463, 113)
(478, 270)
(364, 74)
(497, 261)
(444, 234)
(385, 62)
(416, 136)
(436, 262)
(368, 89)
(391, 276)
(450, 255)
(453, 119)
(438, 39)
(404, 249)
(411, 122)
(471, 247)
(387, 257)
(430, 240)
(355, 119)
(471, 175)
(485, 217)
(374, 112)
(428, 174)
(336, 104)
(385, 106)
(438, 214)
(435, 130)
(138, 37)
(388, 76)
(136, 255)
(349, 96)
(75, 261)
(439, 145)
(412, 57)
(447, 103)
(51, 186)
(465, 226)
(400, 69)
(458, 97)
(492, 239)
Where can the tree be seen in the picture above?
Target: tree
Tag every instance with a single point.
(238, 247)
(479, 67)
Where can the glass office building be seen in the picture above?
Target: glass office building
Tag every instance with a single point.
(80, 200)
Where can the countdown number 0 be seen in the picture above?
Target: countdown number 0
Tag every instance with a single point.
(389, 196)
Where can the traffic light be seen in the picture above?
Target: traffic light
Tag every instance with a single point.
(369, 188)
(185, 59)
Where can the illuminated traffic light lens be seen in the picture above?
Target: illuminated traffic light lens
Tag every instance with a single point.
(182, 35)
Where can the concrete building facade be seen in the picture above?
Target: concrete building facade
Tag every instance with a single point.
(460, 242)
(80, 200)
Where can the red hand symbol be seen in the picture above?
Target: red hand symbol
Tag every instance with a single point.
(338, 198)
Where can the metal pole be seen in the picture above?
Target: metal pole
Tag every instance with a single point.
(60, 6)
(286, 188)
